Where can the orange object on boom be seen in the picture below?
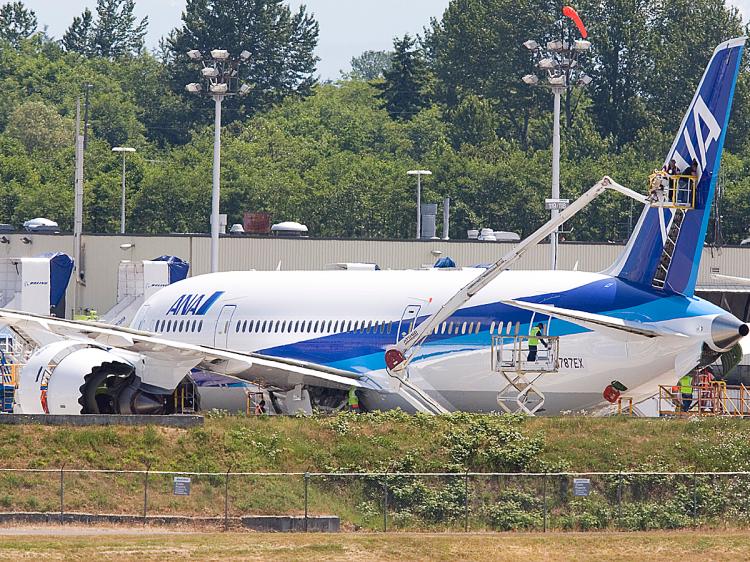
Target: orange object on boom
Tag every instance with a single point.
(572, 14)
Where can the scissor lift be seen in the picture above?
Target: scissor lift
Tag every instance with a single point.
(510, 357)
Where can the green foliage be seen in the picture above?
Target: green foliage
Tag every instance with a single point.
(403, 89)
(16, 23)
(281, 43)
(514, 511)
(370, 65)
(114, 33)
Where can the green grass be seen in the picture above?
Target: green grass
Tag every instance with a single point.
(391, 442)
(149, 545)
(386, 441)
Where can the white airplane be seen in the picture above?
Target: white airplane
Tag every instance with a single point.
(423, 340)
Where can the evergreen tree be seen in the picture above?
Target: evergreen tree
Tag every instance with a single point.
(79, 37)
(16, 23)
(114, 33)
(281, 44)
(403, 91)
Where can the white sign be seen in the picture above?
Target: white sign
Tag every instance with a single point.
(181, 486)
(581, 487)
(556, 204)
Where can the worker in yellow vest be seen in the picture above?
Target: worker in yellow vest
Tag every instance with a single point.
(353, 400)
(686, 389)
(534, 340)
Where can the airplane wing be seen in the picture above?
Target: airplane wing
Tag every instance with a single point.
(251, 367)
(614, 327)
(732, 278)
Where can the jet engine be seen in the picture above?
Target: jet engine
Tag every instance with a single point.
(72, 377)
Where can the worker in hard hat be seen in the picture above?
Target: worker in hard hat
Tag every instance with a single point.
(534, 340)
(686, 389)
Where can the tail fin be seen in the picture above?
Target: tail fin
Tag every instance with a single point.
(665, 248)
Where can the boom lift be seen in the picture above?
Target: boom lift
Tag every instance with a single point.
(398, 356)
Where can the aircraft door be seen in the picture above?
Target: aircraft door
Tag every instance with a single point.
(142, 319)
(408, 319)
(223, 325)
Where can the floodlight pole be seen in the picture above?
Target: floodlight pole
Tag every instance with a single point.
(215, 188)
(557, 91)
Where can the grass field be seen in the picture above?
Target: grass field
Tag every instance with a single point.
(139, 545)
(395, 442)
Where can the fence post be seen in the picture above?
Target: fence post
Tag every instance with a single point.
(226, 500)
(145, 493)
(62, 493)
(544, 500)
(307, 485)
(695, 498)
(619, 500)
(385, 503)
(466, 502)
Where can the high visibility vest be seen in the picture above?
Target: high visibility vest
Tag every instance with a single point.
(353, 400)
(533, 340)
(686, 384)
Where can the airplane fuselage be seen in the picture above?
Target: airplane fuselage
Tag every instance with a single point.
(346, 320)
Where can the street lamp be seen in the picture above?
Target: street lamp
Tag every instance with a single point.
(220, 79)
(559, 63)
(124, 150)
(419, 174)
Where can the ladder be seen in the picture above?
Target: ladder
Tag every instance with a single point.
(510, 359)
(660, 277)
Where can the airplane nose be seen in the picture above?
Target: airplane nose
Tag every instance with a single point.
(727, 330)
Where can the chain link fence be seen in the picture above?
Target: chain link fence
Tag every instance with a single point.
(391, 501)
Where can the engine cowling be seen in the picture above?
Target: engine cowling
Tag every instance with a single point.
(70, 377)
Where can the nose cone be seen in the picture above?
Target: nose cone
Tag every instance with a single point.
(727, 330)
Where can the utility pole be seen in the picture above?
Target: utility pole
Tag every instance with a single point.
(87, 88)
(78, 208)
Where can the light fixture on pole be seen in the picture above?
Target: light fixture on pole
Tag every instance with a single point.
(220, 79)
(559, 63)
(124, 150)
(419, 174)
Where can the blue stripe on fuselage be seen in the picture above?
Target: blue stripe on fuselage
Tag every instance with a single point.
(612, 297)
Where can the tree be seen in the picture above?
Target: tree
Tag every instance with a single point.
(281, 44)
(39, 127)
(477, 48)
(370, 65)
(114, 33)
(79, 37)
(404, 89)
(16, 23)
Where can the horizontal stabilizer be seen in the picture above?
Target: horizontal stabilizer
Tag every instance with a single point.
(614, 327)
(732, 278)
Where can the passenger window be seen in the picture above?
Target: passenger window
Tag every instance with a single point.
(478, 328)
(390, 324)
(442, 328)
(283, 326)
(463, 328)
(450, 329)
(349, 326)
(330, 324)
(315, 326)
(296, 326)
(169, 325)
(492, 328)
(276, 327)
(200, 326)
(237, 327)
(250, 326)
(335, 326)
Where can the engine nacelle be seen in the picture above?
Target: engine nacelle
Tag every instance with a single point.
(70, 377)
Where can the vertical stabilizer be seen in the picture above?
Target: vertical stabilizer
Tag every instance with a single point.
(665, 248)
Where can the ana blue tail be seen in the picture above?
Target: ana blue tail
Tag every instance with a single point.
(665, 248)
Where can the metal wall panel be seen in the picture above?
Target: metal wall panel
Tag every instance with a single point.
(103, 253)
